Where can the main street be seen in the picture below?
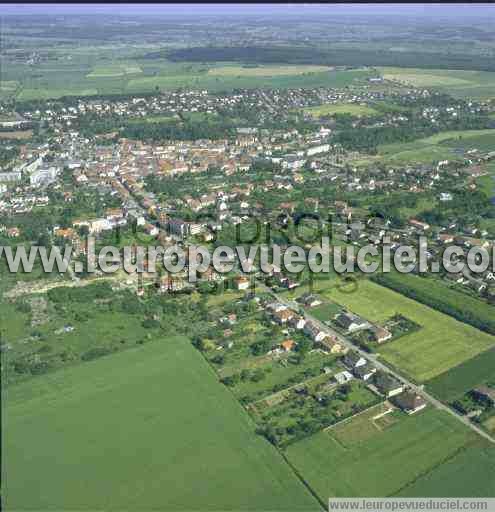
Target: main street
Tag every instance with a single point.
(373, 358)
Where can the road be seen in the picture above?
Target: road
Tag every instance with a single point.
(380, 365)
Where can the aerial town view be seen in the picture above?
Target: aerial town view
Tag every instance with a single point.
(247, 257)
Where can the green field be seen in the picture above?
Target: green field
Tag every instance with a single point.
(468, 474)
(325, 312)
(360, 428)
(114, 70)
(435, 293)
(458, 83)
(385, 462)
(437, 147)
(148, 428)
(458, 380)
(229, 81)
(281, 70)
(341, 108)
(440, 344)
(487, 182)
(93, 71)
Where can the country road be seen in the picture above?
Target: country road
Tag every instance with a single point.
(380, 365)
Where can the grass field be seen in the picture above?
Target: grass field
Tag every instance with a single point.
(482, 142)
(17, 135)
(326, 311)
(341, 108)
(458, 380)
(487, 184)
(92, 71)
(360, 428)
(29, 94)
(415, 444)
(435, 293)
(281, 70)
(225, 82)
(149, 428)
(468, 474)
(437, 147)
(439, 345)
(114, 70)
(461, 84)
(8, 88)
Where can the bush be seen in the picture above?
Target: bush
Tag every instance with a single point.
(95, 353)
(149, 323)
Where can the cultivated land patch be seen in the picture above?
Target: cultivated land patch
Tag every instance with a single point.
(460, 379)
(226, 82)
(361, 427)
(40, 93)
(468, 474)
(439, 345)
(416, 444)
(457, 83)
(440, 146)
(112, 70)
(148, 428)
(341, 108)
(266, 70)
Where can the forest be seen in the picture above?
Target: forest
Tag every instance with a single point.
(330, 57)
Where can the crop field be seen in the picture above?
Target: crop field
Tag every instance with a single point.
(487, 184)
(114, 70)
(370, 467)
(38, 93)
(458, 83)
(8, 88)
(341, 108)
(458, 380)
(127, 419)
(435, 293)
(468, 474)
(281, 70)
(441, 344)
(17, 135)
(225, 82)
(362, 427)
(437, 147)
(325, 311)
(107, 70)
(483, 142)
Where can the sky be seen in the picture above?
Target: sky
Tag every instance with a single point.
(441, 10)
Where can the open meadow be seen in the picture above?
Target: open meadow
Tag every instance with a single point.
(467, 474)
(281, 70)
(441, 146)
(106, 70)
(369, 466)
(461, 378)
(340, 108)
(458, 83)
(77, 436)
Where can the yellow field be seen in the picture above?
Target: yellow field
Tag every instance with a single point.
(266, 70)
(457, 83)
(340, 108)
(421, 78)
(19, 135)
